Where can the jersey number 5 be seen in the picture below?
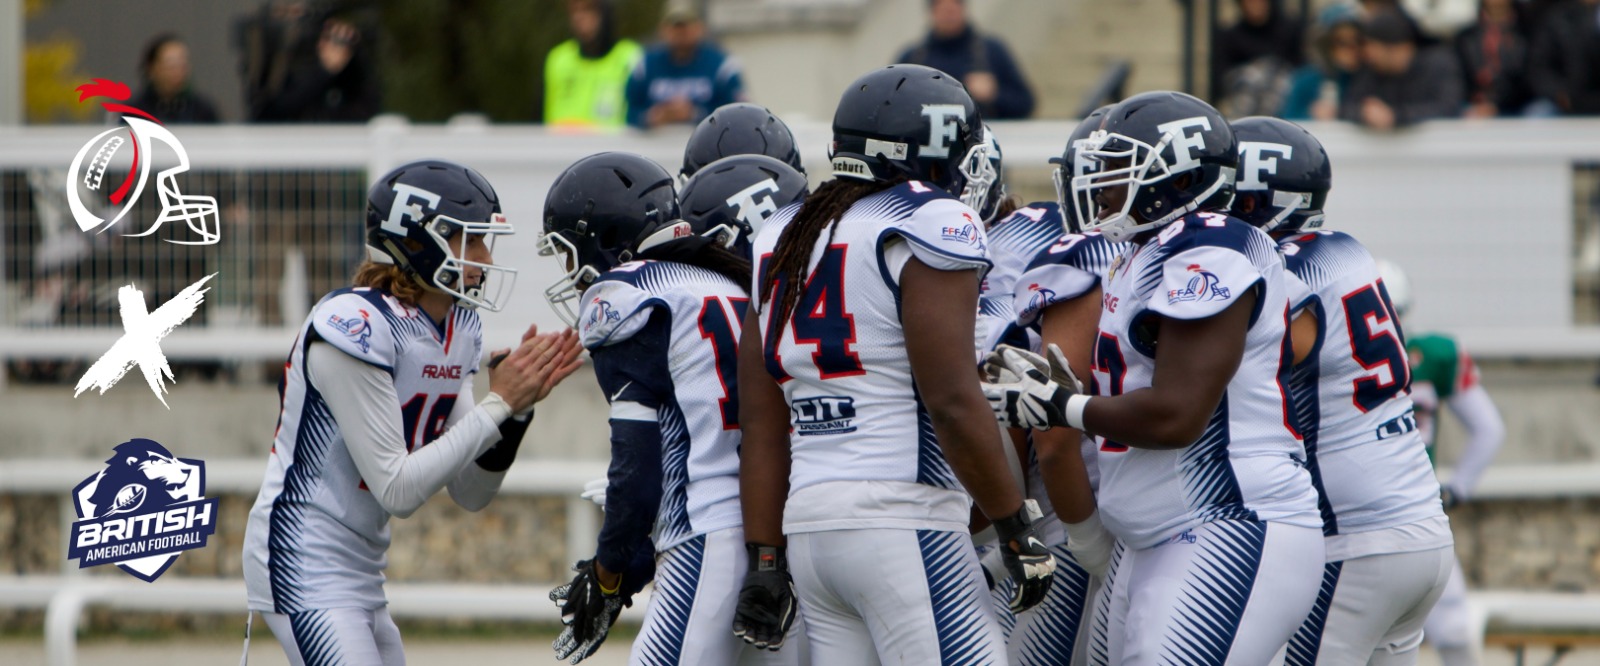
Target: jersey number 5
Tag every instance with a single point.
(1377, 344)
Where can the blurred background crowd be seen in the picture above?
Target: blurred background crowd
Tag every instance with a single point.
(645, 63)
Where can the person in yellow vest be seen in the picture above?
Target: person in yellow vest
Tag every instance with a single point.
(585, 77)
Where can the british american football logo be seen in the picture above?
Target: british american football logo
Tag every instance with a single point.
(141, 511)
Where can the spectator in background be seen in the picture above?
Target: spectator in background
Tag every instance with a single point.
(684, 77)
(586, 77)
(166, 93)
(1400, 82)
(1494, 59)
(302, 64)
(1253, 59)
(979, 61)
(1315, 89)
(1564, 66)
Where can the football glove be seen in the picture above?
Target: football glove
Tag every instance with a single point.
(1026, 390)
(595, 491)
(1026, 557)
(767, 604)
(1451, 496)
(587, 613)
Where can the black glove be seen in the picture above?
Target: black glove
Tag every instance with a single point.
(587, 612)
(1031, 565)
(767, 601)
(1448, 497)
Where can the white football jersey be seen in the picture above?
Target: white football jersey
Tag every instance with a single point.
(317, 538)
(689, 370)
(1249, 462)
(863, 447)
(1350, 397)
(1068, 267)
(1013, 242)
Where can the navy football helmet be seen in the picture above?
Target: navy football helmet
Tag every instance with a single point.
(414, 214)
(909, 121)
(1284, 175)
(740, 128)
(1068, 166)
(731, 197)
(603, 211)
(1144, 146)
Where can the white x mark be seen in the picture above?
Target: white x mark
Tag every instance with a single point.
(141, 341)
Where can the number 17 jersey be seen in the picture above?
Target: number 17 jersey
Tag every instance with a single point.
(1248, 462)
(862, 445)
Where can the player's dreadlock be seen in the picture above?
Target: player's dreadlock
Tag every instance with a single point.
(793, 252)
(704, 253)
(1007, 206)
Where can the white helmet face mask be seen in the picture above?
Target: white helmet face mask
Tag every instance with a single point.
(1139, 165)
(563, 294)
(979, 172)
(494, 285)
(1067, 197)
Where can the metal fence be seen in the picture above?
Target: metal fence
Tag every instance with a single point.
(1495, 221)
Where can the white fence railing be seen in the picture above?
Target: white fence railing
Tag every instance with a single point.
(1481, 214)
(66, 595)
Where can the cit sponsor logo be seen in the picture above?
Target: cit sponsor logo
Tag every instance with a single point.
(140, 343)
(1186, 536)
(1203, 286)
(823, 415)
(141, 511)
(358, 330)
(602, 314)
(99, 202)
(441, 371)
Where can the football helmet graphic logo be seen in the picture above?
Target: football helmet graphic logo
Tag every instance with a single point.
(88, 193)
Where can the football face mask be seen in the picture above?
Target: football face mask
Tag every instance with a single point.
(564, 292)
(493, 287)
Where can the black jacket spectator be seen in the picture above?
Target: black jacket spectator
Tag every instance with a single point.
(1401, 83)
(1494, 57)
(304, 66)
(1564, 64)
(1262, 32)
(954, 47)
(186, 107)
(167, 94)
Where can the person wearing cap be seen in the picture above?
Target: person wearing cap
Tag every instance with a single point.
(586, 77)
(1316, 88)
(1400, 82)
(684, 77)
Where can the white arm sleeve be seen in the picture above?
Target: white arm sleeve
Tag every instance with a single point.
(475, 486)
(1485, 433)
(362, 399)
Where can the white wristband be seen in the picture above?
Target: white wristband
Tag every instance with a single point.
(496, 407)
(1075, 404)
